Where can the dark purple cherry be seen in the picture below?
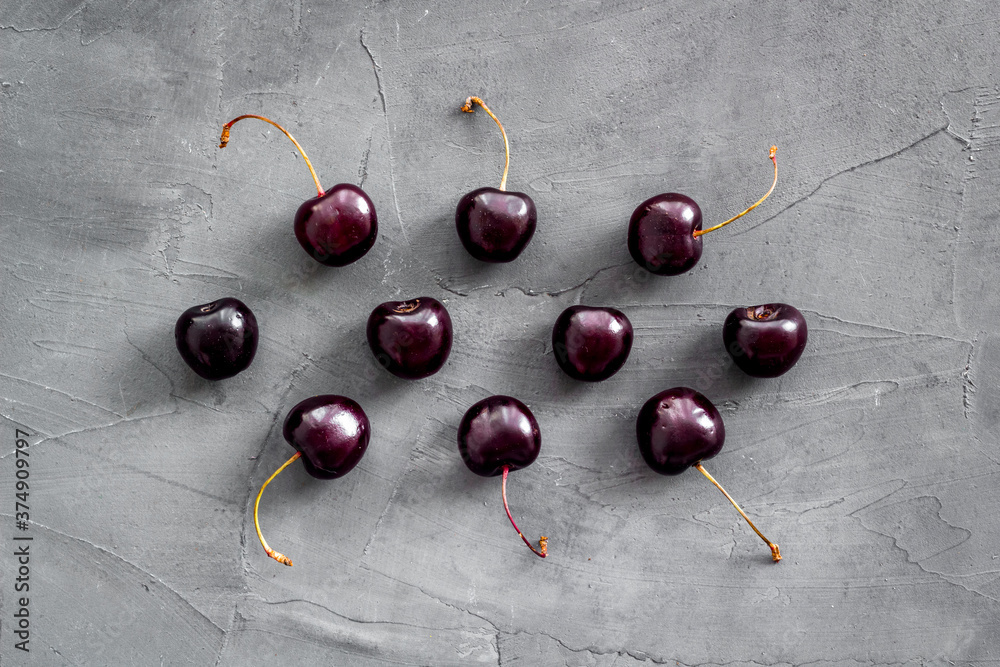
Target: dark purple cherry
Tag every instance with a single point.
(499, 434)
(664, 233)
(765, 341)
(218, 339)
(330, 433)
(661, 234)
(591, 344)
(679, 428)
(338, 227)
(335, 227)
(411, 339)
(495, 225)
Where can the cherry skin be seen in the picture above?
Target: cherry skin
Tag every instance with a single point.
(339, 227)
(411, 339)
(331, 432)
(217, 339)
(591, 344)
(494, 225)
(765, 341)
(677, 428)
(661, 235)
(498, 432)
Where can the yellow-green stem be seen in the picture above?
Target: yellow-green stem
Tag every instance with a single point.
(774, 149)
(775, 554)
(224, 139)
(281, 558)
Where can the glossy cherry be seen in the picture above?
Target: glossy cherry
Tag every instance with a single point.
(330, 433)
(217, 339)
(410, 339)
(495, 225)
(499, 434)
(679, 428)
(337, 226)
(591, 344)
(765, 341)
(664, 233)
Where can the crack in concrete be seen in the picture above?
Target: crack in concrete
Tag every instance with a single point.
(377, 69)
(61, 23)
(641, 656)
(351, 619)
(130, 564)
(867, 163)
(436, 599)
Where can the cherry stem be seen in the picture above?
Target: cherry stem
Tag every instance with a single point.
(542, 550)
(224, 139)
(774, 149)
(775, 554)
(468, 108)
(281, 558)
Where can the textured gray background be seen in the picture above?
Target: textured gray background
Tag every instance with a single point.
(874, 463)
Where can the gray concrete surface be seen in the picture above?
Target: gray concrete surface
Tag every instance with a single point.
(874, 463)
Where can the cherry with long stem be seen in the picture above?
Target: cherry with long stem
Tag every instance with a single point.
(336, 227)
(775, 554)
(493, 224)
(224, 141)
(542, 550)
(280, 557)
(469, 108)
(774, 160)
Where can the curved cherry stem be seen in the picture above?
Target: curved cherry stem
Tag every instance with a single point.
(542, 550)
(281, 558)
(775, 554)
(224, 139)
(468, 108)
(774, 149)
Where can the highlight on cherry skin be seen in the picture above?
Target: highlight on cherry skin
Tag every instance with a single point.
(664, 233)
(337, 226)
(679, 428)
(330, 434)
(410, 339)
(765, 341)
(591, 344)
(495, 225)
(496, 436)
(218, 339)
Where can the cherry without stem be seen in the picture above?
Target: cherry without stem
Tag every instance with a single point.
(330, 434)
(336, 227)
(497, 435)
(664, 233)
(591, 344)
(765, 341)
(679, 428)
(495, 225)
(410, 339)
(218, 339)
